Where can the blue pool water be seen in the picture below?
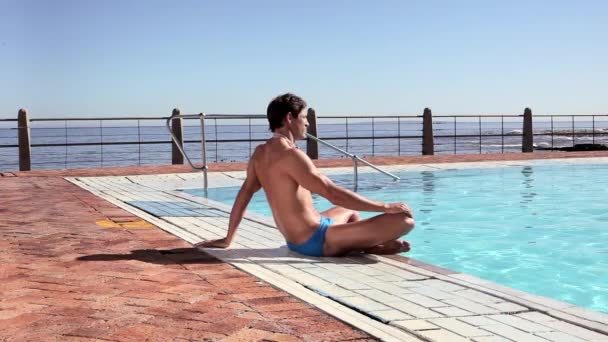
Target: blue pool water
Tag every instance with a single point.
(542, 229)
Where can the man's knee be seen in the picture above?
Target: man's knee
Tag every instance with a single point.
(408, 224)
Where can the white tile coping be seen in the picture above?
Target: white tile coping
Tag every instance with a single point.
(387, 298)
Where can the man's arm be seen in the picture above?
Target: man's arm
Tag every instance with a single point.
(306, 174)
(249, 187)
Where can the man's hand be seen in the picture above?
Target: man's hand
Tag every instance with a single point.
(398, 208)
(219, 243)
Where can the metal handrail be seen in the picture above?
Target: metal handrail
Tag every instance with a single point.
(203, 167)
(355, 159)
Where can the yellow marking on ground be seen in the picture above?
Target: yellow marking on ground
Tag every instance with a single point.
(107, 224)
(141, 224)
(138, 224)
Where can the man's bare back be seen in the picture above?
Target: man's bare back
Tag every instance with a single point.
(291, 204)
(289, 178)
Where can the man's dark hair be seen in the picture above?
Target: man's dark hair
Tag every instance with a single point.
(282, 105)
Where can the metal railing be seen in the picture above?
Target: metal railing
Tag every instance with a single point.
(562, 131)
(503, 133)
(390, 135)
(88, 142)
(204, 168)
(137, 141)
(455, 134)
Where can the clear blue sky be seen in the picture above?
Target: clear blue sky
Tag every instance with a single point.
(122, 58)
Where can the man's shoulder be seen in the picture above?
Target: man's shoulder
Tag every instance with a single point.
(296, 161)
(296, 154)
(258, 149)
(288, 155)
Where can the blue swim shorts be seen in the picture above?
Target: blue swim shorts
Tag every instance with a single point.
(314, 245)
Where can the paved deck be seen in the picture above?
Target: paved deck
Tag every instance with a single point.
(157, 282)
(74, 267)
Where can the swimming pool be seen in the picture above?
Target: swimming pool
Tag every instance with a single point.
(538, 228)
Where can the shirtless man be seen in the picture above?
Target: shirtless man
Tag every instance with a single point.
(288, 178)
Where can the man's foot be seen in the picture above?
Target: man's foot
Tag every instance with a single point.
(391, 247)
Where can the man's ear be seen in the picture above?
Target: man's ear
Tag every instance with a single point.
(289, 117)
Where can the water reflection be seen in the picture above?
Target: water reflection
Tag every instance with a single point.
(428, 191)
(527, 195)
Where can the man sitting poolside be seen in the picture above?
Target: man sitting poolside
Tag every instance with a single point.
(288, 177)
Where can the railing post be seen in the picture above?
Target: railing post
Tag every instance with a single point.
(25, 150)
(176, 127)
(527, 139)
(312, 147)
(428, 145)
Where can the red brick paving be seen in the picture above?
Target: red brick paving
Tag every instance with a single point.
(65, 277)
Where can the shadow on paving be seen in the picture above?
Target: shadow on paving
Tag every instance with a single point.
(197, 256)
(158, 256)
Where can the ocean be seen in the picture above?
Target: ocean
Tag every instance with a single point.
(92, 144)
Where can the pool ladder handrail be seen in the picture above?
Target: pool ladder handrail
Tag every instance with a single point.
(203, 167)
(356, 159)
